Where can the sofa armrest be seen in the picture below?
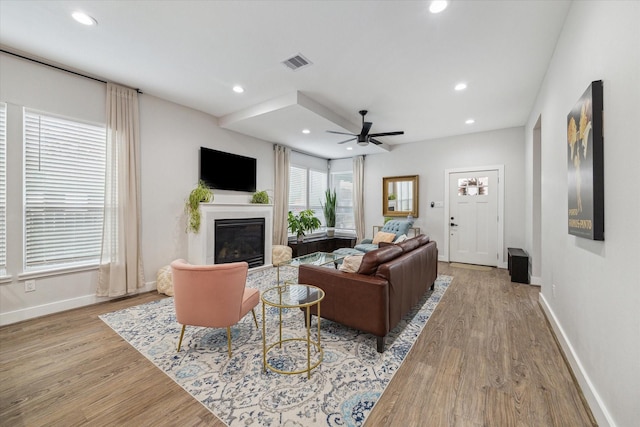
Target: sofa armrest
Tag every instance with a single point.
(355, 300)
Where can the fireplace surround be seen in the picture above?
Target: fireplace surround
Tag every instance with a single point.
(202, 246)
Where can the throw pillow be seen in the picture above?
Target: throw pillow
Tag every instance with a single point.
(383, 236)
(351, 263)
(400, 238)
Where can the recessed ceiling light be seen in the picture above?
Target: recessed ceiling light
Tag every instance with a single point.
(83, 18)
(460, 86)
(438, 6)
(238, 89)
(349, 148)
(470, 121)
(305, 131)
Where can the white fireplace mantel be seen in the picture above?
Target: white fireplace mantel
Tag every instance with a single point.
(202, 244)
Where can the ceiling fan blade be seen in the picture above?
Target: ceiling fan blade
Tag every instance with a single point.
(375, 141)
(342, 133)
(387, 133)
(365, 128)
(351, 139)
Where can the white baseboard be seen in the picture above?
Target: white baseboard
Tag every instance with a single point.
(58, 306)
(536, 280)
(596, 405)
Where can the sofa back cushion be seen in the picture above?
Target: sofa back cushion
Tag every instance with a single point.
(423, 239)
(409, 245)
(371, 260)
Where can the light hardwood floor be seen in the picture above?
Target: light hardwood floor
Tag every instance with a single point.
(485, 358)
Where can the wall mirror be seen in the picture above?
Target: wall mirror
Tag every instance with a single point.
(400, 195)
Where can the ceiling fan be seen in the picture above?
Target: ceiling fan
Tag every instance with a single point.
(364, 137)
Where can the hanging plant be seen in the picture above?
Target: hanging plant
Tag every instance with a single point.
(200, 194)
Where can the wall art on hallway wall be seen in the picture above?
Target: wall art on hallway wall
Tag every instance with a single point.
(585, 164)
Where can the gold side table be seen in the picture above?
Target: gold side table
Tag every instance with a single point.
(291, 296)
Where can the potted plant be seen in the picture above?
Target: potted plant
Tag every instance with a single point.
(200, 194)
(260, 197)
(329, 210)
(303, 222)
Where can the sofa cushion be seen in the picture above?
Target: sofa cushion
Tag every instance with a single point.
(371, 260)
(351, 263)
(366, 247)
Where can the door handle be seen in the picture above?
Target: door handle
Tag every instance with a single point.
(454, 225)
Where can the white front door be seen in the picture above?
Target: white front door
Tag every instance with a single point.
(473, 217)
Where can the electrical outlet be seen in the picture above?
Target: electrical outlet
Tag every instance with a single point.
(30, 286)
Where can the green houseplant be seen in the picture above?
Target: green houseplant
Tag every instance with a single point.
(303, 222)
(198, 195)
(329, 210)
(260, 197)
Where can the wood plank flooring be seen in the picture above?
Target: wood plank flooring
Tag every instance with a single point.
(486, 358)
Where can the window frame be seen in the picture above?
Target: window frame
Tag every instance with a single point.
(317, 209)
(3, 189)
(334, 184)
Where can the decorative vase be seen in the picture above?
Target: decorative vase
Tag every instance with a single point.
(330, 231)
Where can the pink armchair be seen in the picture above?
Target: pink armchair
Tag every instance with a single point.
(212, 296)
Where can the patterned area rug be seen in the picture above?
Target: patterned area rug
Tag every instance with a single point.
(342, 390)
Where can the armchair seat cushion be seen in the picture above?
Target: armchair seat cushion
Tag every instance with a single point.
(250, 299)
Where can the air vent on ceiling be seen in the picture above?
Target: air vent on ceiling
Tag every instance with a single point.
(296, 62)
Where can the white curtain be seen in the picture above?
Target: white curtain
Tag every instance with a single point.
(358, 196)
(121, 261)
(281, 195)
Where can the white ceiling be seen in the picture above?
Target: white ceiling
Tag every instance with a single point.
(393, 58)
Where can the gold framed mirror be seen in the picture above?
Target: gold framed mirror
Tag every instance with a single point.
(400, 195)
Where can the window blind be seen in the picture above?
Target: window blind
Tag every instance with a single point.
(3, 188)
(343, 183)
(297, 189)
(317, 187)
(64, 191)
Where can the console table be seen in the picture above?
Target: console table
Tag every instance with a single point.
(320, 244)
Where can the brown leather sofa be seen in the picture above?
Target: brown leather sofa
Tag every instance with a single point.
(388, 284)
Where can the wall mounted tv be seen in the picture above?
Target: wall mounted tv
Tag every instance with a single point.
(226, 171)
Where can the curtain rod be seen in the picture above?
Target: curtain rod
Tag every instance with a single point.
(58, 68)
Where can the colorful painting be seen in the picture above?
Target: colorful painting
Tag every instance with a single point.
(585, 163)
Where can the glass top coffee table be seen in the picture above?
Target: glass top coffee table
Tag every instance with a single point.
(316, 258)
(292, 296)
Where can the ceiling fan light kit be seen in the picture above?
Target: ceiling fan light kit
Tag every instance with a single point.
(364, 137)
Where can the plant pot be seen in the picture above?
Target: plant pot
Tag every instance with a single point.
(330, 231)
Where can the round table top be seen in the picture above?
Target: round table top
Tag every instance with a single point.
(292, 295)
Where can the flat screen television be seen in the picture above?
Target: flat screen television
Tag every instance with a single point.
(226, 171)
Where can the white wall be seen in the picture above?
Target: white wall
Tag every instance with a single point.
(171, 136)
(590, 289)
(429, 159)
